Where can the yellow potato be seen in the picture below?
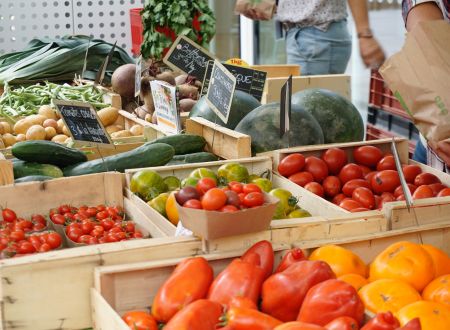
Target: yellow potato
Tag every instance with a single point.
(121, 134)
(60, 138)
(50, 132)
(50, 123)
(65, 130)
(113, 128)
(47, 111)
(35, 132)
(9, 139)
(2, 130)
(137, 130)
(108, 116)
(20, 137)
(22, 126)
(36, 119)
(6, 127)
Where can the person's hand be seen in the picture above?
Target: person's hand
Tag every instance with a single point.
(371, 52)
(442, 149)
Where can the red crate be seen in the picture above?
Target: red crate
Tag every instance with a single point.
(136, 30)
(375, 133)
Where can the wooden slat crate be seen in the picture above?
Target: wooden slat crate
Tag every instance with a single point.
(339, 83)
(123, 288)
(429, 210)
(278, 70)
(6, 171)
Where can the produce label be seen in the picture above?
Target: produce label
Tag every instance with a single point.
(83, 124)
(237, 61)
(166, 111)
(220, 91)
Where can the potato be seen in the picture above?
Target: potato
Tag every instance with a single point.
(2, 146)
(6, 127)
(20, 137)
(9, 139)
(187, 91)
(137, 130)
(121, 134)
(50, 132)
(108, 116)
(59, 138)
(148, 117)
(35, 132)
(187, 104)
(50, 123)
(47, 111)
(2, 130)
(22, 126)
(113, 128)
(60, 127)
(36, 119)
(65, 131)
(68, 140)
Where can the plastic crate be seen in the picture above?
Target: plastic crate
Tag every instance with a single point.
(136, 30)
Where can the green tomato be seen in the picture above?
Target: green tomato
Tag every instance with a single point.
(203, 172)
(159, 203)
(264, 184)
(253, 177)
(286, 199)
(299, 213)
(148, 184)
(233, 172)
(172, 182)
(189, 181)
(280, 212)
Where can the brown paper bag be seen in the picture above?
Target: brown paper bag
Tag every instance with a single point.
(256, 9)
(419, 76)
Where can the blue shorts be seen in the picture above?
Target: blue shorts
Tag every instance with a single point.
(317, 51)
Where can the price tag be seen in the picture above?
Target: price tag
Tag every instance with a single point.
(285, 107)
(220, 91)
(237, 61)
(83, 123)
(187, 56)
(137, 77)
(165, 99)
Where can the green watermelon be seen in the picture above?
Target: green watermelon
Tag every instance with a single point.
(241, 105)
(263, 125)
(338, 117)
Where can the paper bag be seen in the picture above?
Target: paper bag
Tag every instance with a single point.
(419, 77)
(256, 9)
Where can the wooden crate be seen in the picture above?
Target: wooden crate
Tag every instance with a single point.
(278, 70)
(6, 171)
(62, 278)
(339, 83)
(430, 210)
(221, 141)
(123, 288)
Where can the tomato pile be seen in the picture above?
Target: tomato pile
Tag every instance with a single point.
(362, 185)
(95, 224)
(19, 236)
(316, 293)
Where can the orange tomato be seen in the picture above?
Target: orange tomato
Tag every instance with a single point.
(341, 261)
(441, 260)
(355, 280)
(171, 209)
(404, 261)
(438, 290)
(432, 315)
(388, 295)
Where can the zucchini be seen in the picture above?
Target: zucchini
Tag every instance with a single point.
(30, 178)
(47, 152)
(148, 155)
(184, 143)
(196, 157)
(22, 169)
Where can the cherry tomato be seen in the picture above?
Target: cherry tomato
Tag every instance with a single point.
(338, 199)
(45, 247)
(367, 155)
(64, 209)
(26, 247)
(37, 218)
(138, 234)
(102, 215)
(423, 191)
(54, 240)
(228, 208)
(301, 178)
(93, 240)
(317, 167)
(58, 219)
(97, 232)
(426, 178)
(350, 204)
(386, 163)
(399, 190)
(236, 186)
(121, 236)
(128, 227)
(251, 187)
(349, 172)
(351, 185)
(17, 235)
(53, 211)
(364, 196)
(91, 211)
(9, 215)
(335, 158)
(444, 192)
(87, 226)
(23, 224)
(291, 164)
(204, 184)
(193, 204)
(84, 239)
(254, 199)
(410, 172)
(101, 207)
(331, 186)
(38, 227)
(74, 234)
(107, 224)
(386, 180)
(315, 188)
(437, 187)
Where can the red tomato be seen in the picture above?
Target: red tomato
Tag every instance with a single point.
(365, 169)
(382, 321)
(189, 282)
(338, 199)
(367, 155)
(84, 239)
(401, 198)
(26, 247)
(246, 318)
(17, 235)
(107, 224)
(264, 251)
(291, 164)
(236, 186)
(423, 191)
(37, 218)
(291, 257)
(426, 178)
(351, 185)
(335, 158)
(444, 192)
(91, 211)
(315, 188)
(331, 186)
(204, 184)
(437, 187)
(301, 178)
(253, 199)
(64, 209)
(87, 226)
(329, 300)
(399, 190)
(364, 196)
(386, 180)
(242, 302)
(387, 197)
(45, 247)
(102, 215)
(193, 204)
(410, 172)
(343, 323)
(214, 199)
(350, 204)
(386, 163)
(350, 172)
(54, 240)
(140, 320)
(202, 314)
(228, 208)
(370, 175)
(8, 215)
(251, 187)
(74, 234)
(317, 167)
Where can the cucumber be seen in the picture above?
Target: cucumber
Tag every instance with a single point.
(22, 169)
(31, 178)
(148, 155)
(47, 152)
(184, 143)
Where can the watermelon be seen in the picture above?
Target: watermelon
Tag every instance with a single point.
(338, 117)
(241, 105)
(263, 125)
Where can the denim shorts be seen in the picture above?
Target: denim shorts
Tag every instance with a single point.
(317, 51)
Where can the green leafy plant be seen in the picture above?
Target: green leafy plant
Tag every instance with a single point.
(165, 19)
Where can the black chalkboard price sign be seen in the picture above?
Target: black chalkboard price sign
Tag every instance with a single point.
(83, 123)
(187, 56)
(220, 90)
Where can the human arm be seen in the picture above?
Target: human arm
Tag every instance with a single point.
(425, 11)
(371, 52)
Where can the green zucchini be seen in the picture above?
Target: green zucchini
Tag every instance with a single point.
(30, 178)
(184, 143)
(47, 152)
(196, 157)
(22, 169)
(148, 155)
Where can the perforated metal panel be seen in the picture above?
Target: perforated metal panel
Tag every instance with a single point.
(23, 20)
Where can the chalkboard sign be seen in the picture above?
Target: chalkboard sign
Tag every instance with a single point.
(83, 124)
(220, 91)
(207, 78)
(187, 56)
(247, 80)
